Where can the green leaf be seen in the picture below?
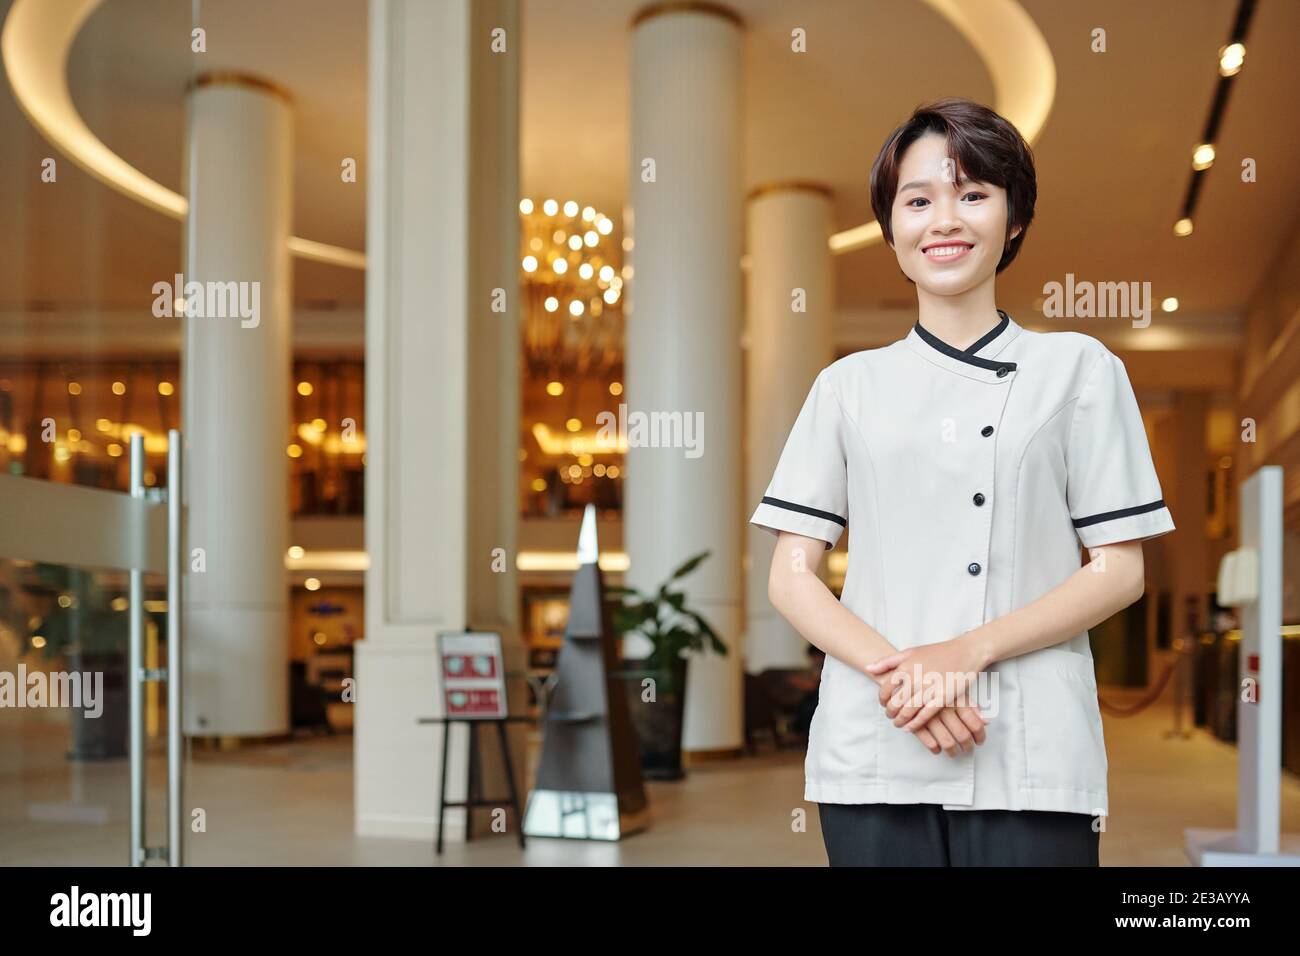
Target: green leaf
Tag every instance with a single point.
(689, 566)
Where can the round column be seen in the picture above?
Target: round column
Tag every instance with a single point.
(236, 403)
(683, 335)
(789, 338)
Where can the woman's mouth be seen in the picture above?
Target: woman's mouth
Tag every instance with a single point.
(946, 251)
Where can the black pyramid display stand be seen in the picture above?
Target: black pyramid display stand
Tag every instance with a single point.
(588, 783)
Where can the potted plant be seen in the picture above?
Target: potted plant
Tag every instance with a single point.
(89, 636)
(656, 685)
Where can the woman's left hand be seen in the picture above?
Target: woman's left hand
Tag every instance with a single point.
(926, 679)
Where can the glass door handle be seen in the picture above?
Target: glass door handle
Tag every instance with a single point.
(175, 670)
(173, 852)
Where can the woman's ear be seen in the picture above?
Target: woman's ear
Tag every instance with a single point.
(1014, 232)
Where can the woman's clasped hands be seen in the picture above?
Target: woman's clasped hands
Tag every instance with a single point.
(930, 690)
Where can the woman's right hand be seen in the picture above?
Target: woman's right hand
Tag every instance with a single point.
(952, 731)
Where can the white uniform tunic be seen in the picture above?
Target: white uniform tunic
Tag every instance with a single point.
(971, 478)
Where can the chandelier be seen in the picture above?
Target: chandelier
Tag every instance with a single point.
(573, 289)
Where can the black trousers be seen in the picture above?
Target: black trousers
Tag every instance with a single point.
(925, 834)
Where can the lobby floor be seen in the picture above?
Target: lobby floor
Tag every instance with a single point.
(291, 803)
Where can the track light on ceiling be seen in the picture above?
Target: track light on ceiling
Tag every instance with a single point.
(1231, 57)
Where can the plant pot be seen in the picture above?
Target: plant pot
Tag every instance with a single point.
(658, 722)
(102, 737)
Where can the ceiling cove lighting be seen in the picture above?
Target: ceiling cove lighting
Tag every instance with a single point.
(1019, 62)
(612, 561)
(1231, 57)
(38, 36)
(300, 559)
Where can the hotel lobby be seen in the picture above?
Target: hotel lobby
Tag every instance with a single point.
(336, 335)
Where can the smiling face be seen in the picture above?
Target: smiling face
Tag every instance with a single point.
(949, 237)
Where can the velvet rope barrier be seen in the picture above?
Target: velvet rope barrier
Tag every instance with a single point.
(1128, 711)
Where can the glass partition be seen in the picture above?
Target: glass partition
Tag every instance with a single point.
(64, 768)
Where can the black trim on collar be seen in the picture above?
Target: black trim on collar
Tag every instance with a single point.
(804, 509)
(1122, 513)
(964, 356)
(990, 335)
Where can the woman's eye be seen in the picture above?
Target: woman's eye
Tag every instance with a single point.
(917, 199)
(975, 194)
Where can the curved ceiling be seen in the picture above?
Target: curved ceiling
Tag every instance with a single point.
(36, 43)
(1112, 157)
(39, 36)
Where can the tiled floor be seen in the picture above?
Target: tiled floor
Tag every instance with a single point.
(292, 804)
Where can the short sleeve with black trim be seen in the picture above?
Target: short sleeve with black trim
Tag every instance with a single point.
(808, 493)
(1111, 484)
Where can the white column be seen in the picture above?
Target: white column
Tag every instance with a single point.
(789, 337)
(236, 401)
(442, 391)
(683, 334)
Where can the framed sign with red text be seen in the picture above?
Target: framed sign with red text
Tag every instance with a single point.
(473, 674)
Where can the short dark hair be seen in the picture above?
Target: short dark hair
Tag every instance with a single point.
(983, 145)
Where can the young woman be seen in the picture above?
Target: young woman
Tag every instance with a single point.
(957, 721)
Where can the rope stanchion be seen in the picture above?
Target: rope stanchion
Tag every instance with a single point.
(1115, 710)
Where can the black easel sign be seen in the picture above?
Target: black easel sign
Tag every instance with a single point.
(473, 675)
